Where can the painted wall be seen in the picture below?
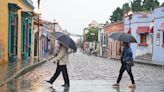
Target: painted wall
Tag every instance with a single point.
(137, 20)
(113, 46)
(126, 24)
(24, 7)
(158, 50)
(4, 27)
(3, 31)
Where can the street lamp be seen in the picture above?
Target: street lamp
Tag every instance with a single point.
(55, 22)
(130, 17)
(92, 36)
(38, 12)
(84, 37)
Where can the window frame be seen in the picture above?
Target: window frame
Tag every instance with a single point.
(163, 39)
(143, 40)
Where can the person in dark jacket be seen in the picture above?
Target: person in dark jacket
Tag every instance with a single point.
(126, 55)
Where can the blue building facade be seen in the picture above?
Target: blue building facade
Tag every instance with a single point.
(158, 46)
(138, 26)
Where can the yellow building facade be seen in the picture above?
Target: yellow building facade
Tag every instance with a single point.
(15, 23)
(3, 31)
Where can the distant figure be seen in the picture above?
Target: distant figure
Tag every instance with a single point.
(61, 60)
(90, 50)
(126, 56)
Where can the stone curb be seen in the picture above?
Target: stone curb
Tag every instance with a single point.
(139, 62)
(25, 70)
(151, 64)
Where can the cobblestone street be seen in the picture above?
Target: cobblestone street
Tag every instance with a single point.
(90, 74)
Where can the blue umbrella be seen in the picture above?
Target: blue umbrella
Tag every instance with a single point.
(65, 40)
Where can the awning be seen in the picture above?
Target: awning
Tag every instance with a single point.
(129, 31)
(143, 29)
(13, 6)
(151, 30)
(161, 27)
(151, 27)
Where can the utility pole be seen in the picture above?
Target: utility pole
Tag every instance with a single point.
(38, 26)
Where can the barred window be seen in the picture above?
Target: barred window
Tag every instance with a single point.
(163, 37)
(143, 38)
(14, 33)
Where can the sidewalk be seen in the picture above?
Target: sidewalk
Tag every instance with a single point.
(14, 69)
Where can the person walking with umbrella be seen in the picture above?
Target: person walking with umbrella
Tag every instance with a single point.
(126, 57)
(61, 60)
(62, 57)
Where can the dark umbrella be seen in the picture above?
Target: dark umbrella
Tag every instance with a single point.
(121, 36)
(58, 34)
(65, 40)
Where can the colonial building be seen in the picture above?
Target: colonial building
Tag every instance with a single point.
(16, 21)
(138, 25)
(113, 47)
(4, 31)
(158, 41)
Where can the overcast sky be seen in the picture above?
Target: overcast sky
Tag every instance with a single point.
(74, 15)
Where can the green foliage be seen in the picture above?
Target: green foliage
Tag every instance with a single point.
(136, 5)
(149, 5)
(125, 8)
(91, 38)
(117, 15)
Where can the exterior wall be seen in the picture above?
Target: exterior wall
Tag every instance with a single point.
(33, 40)
(113, 47)
(24, 7)
(137, 21)
(5, 27)
(3, 31)
(158, 50)
(126, 24)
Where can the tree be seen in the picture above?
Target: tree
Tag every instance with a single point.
(126, 8)
(117, 15)
(136, 5)
(149, 5)
(163, 4)
(89, 37)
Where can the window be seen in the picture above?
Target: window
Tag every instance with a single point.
(163, 37)
(163, 40)
(14, 33)
(143, 38)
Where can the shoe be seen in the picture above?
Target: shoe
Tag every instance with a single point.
(132, 86)
(65, 85)
(116, 85)
(48, 82)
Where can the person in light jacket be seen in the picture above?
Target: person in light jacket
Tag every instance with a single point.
(126, 56)
(61, 60)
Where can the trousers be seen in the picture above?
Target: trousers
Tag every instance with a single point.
(128, 69)
(63, 69)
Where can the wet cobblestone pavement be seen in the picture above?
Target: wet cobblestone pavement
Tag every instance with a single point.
(89, 74)
(7, 70)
